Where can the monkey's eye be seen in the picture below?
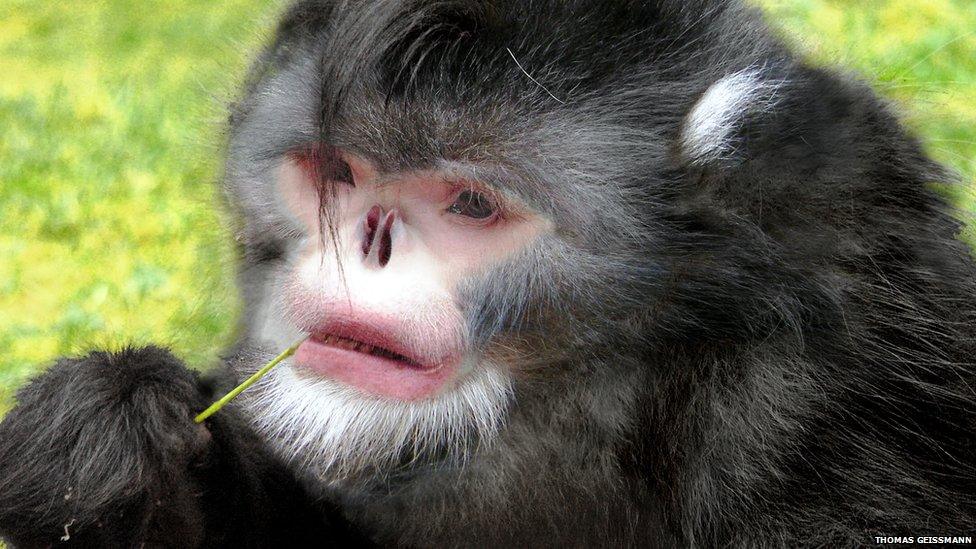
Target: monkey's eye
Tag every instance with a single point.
(338, 170)
(473, 204)
(324, 164)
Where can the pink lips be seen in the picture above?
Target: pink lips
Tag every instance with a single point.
(371, 358)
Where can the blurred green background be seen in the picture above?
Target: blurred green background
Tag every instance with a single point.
(110, 132)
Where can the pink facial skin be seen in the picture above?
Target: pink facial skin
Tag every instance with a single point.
(380, 308)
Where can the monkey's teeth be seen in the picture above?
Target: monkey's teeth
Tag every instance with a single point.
(365, 348)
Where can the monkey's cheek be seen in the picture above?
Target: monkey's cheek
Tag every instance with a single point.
(373, 374)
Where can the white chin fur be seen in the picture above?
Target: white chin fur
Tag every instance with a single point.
(331, 432)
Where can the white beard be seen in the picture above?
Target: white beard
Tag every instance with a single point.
(330, 432)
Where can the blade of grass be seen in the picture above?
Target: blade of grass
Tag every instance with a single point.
(216, 406)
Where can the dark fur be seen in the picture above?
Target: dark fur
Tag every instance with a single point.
(101, 451)
(775, 348)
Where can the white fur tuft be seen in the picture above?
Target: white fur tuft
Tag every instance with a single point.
(708, 129)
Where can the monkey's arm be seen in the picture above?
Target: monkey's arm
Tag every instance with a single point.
(103, 451)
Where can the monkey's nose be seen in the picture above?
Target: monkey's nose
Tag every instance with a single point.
(377, 236)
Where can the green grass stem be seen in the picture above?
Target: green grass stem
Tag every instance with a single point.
(216, 406)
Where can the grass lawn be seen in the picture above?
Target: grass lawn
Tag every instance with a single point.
(110, 122)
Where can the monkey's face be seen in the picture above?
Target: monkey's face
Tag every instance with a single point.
(385, 276)
(444, 232)
(378, 294)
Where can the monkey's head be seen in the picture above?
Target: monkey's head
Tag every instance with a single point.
(473, 209)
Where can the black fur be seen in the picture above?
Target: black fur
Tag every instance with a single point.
(102, 452)
(770, 348)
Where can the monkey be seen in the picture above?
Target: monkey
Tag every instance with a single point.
(571, 273)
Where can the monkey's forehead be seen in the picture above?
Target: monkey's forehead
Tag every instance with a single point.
(408, 82)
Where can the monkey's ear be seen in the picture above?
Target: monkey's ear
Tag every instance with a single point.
(715, 128)
(801, 122)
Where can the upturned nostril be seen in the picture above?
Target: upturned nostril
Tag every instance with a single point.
(386, 238)
(386, 249)
(370, 223)
(373, 217)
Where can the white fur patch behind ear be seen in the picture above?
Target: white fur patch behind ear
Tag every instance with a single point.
(708, 131)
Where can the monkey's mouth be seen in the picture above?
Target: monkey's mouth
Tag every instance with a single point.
(372, 360)
(358, 346)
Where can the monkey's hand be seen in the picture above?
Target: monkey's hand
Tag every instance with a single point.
(102, 451)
